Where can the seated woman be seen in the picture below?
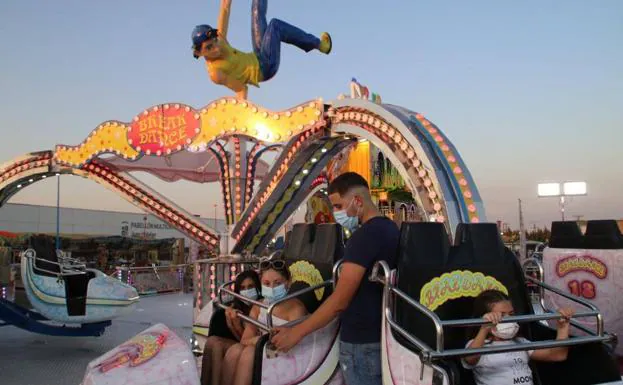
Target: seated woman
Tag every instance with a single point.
(275, 278)
(248, 285)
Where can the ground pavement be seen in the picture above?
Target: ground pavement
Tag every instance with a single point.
(33, 359)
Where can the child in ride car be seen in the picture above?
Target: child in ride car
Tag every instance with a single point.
(508, 367)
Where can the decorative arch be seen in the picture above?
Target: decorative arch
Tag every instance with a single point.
(33, 168)
(428, 162)
(254, 156)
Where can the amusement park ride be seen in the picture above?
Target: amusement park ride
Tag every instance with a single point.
(444, 261)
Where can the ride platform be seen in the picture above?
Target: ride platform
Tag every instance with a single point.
(27, 358)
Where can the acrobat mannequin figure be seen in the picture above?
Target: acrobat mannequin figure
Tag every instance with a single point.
(235, 69)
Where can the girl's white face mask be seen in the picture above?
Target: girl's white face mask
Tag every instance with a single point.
(505, 331)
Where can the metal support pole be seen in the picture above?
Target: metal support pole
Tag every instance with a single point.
(58, 211)
(215, 206)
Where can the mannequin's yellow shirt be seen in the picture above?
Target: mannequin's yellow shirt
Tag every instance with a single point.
(241, 66)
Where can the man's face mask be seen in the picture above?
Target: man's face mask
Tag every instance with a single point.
(345, 220)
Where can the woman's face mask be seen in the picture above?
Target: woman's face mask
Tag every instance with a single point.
(272, 294)
(505, 331)
(250, 293)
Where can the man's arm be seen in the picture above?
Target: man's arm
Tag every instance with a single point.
(347, 285)
(223, 18)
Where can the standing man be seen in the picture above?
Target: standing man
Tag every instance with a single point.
(356, 300)
(235, 69)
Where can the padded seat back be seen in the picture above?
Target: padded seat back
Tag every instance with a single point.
(479, 249)
(447, 279)
(311, 251)
(298, 242)
(603, 234)
(45, 250)
(422, 256)
(566, 235)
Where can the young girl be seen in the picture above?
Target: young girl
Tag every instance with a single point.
(509, 367)
(275, 280)
(248, 285)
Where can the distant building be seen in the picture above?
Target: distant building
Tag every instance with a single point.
(26, 218)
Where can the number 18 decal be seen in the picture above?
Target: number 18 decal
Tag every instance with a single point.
(584, 289)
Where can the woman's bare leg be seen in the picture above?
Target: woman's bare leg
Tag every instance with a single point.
(230, 363)
(213, 354)
(244, 370)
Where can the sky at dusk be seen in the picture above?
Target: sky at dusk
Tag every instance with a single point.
(528, 91)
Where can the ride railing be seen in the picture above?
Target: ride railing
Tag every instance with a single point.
(383, 275)
(210, 274)
(533, 268)
(67, 266)
(153, 279)
(535, 275)
(270, 308)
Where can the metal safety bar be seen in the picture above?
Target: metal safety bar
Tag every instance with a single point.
(64, 270)
(270, 308)
(389, 289)
(535, 265)
(62, 257)
(598, 317)
(245, 318)
(381, 273)
(223, 288)
(522, 346)
(515, 318)
(219, 303)
(336, 271)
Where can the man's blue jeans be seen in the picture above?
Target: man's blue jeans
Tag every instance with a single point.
(361, 363)
(267, 39)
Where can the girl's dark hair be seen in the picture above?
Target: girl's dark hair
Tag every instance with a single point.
(485, 301)
(240, 278)
(483, 304)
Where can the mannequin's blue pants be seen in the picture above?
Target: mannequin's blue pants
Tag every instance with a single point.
(267, 39)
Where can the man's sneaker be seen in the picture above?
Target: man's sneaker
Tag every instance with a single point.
(325, 43)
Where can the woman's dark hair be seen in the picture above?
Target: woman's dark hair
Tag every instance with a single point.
(483, 304)
(240, 278)
(277, 264)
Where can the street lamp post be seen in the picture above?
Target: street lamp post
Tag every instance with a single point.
(215, 205)
(561, 191)
(58, 211)
(144, 227)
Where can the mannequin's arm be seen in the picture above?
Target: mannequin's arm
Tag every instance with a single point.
(223, 19)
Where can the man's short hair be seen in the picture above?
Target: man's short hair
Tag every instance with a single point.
(343, 183)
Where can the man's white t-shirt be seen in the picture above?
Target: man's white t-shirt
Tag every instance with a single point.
(510, 368)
